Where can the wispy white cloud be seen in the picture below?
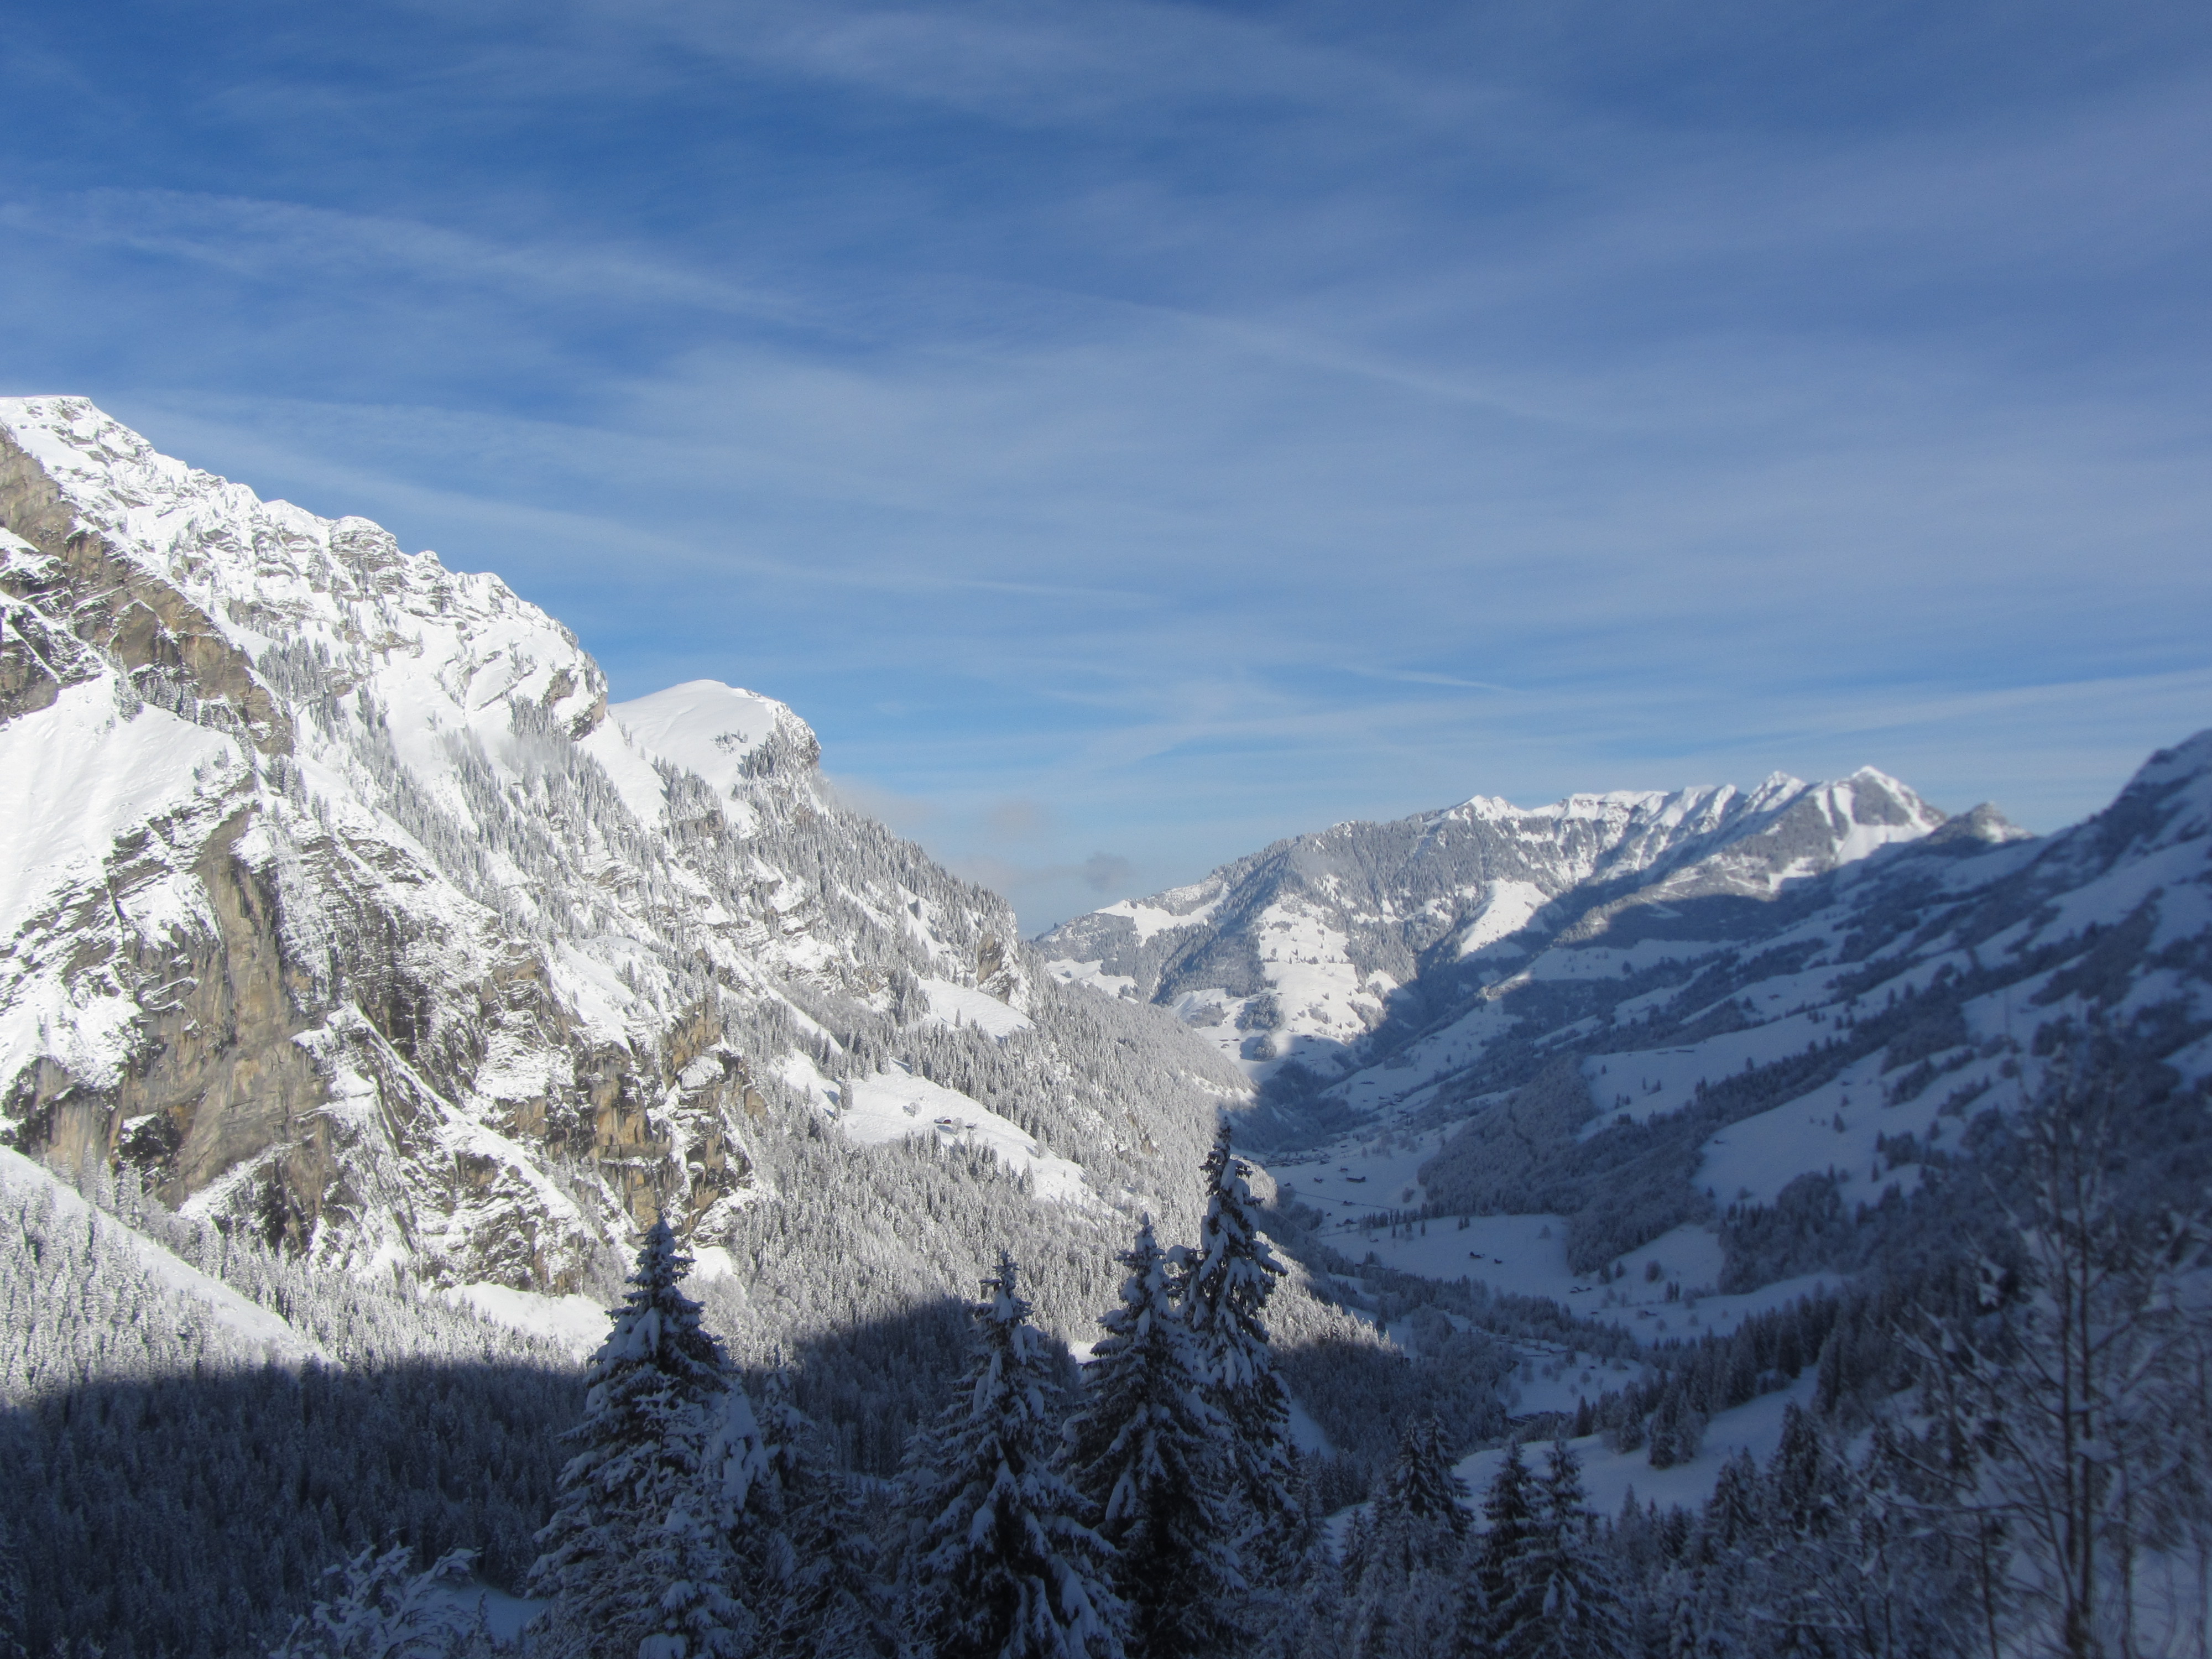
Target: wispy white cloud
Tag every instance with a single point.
(293, 243)
(1201, 425)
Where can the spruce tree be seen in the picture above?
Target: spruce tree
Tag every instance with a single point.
(1420, 1522)
(1001, 1562)
(381, 1608)
(1422, 1482)
(14, 1616)
(1146, 1450)
(1735, 1514)
(1564, 1574)
(814, 1571)
(637, 1557)
(1509, 1604)
(1224, 1298)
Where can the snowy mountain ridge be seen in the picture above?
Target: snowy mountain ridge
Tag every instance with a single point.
(1664, 1032)
(1300, 950)
(341, 906)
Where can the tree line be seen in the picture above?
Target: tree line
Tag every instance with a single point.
(2013, 1460)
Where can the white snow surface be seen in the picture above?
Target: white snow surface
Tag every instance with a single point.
(1608, 1477)
(1093, 975)
(964, 1005)
(94, 776)
(576, 1322)
(897, 1105)
(1149, 919)
(1506, 909)
(705, 726)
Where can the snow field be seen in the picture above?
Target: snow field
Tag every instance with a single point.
(576, 1322)
(1525, 1255)
(1751, 1162)
(94, 777)
(704, 727)
(1505, 911)
(896, 1106)
(1609, 1476)
(1149, 919)
(1093, 975)
(964, 1005)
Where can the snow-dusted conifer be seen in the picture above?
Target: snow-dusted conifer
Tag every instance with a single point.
(1001, 1562)
(1422, 1482)
(1510, 1514)
(686, 1566)
(1420, 1522)
(814, 1571)
(1564, 1576)
(637, 1557)
(1145, 1450)
(1735, 1514)
(1677, 1430)
(382, 1609)
(1224, 1298)
(12, 1619)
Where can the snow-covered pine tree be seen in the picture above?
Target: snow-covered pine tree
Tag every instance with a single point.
(381, 1608)
(1224, 1298)
(638, 1559)
(686, 1567)
(814, 1571)
(1001, 1562)
(1735, 1514)
(1420, 1522)
(12, 1611)
(1145, 1448)
(1423, 1483)
(1564, 1574)
(1677, 1430)
(1509, 1603)
(1308, 1621)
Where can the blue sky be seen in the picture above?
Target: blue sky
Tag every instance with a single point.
(1132, 432)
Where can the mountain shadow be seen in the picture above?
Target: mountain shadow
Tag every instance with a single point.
(190, 1516)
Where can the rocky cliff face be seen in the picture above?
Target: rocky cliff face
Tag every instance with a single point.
(340, 904)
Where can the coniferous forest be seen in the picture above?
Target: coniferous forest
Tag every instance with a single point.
(2004, 1450)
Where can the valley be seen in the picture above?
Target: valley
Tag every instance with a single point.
(378, 993)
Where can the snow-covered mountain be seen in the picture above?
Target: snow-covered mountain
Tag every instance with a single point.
(1694, 1030)
(339, 903)
(1298, 952)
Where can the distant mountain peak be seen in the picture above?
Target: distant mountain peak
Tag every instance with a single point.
(1298, 952)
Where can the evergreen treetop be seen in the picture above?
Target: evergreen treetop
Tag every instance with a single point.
(1147, 1450)
(1509, 1511)
(1002, 1562)
(1233, 1276)
(637, 1555)
(1224, 1297)
(1423, 1483)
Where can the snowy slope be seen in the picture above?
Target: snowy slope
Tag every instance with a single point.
(1846, 1035)
(339, 903)
(1815, 984)
(1296, 954)
(252, 1335)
